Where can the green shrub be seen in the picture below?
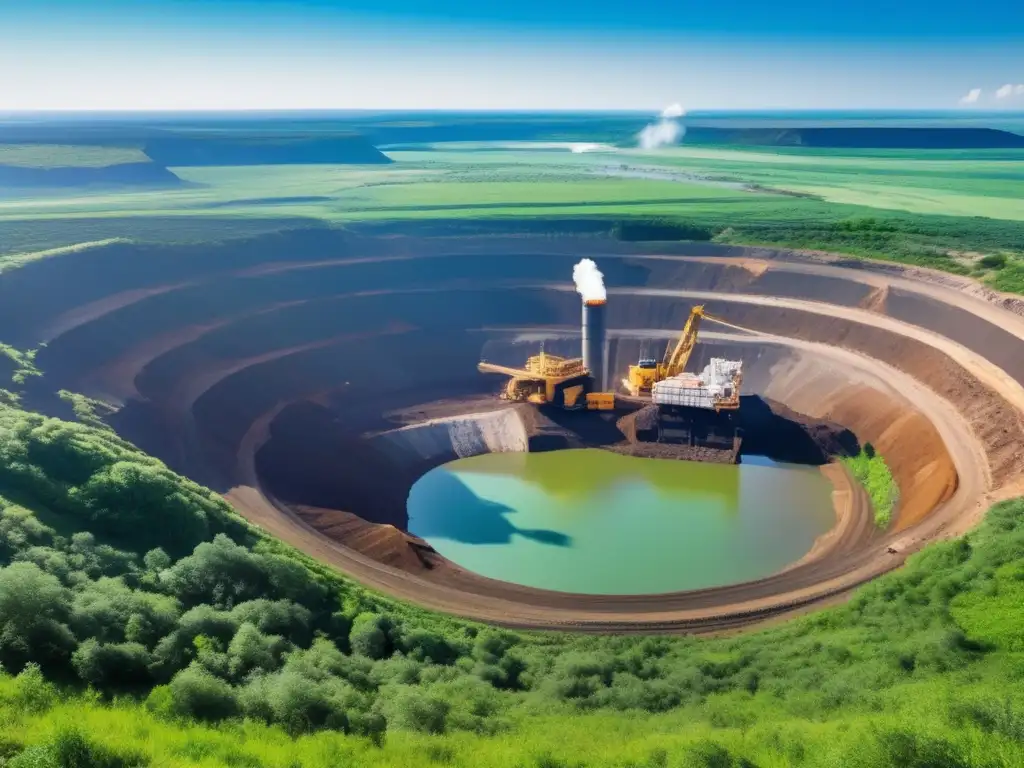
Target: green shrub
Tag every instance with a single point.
(708, 754)
(424, 645)
(300, 705)
(411, 709)
(70, 748)
(32, 692)
(115, 665)
(369, 636)
(196, 693)
(250, 650)
(906, 749)
(870, 470)
(993, 261)
(33, 608)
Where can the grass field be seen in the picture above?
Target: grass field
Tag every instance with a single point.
(65, 156)
(942, 209)
(926, 726)
(953, 183)
(871, 471)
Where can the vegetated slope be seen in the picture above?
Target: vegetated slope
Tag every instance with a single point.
(866, 137)
(53, 166)
(109, 576)
(67, 156)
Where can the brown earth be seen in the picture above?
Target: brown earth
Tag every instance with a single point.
(313, 379)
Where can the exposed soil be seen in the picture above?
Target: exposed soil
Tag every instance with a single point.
(313, 377)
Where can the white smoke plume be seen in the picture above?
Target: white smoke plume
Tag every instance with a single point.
(589, 281)
(668, 130)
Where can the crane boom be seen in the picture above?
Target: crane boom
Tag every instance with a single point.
(502, 369)
(676, 362)
(648, 371)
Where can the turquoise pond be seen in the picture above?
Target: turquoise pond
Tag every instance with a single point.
(592, 521)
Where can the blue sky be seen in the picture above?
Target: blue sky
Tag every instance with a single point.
(510, 54)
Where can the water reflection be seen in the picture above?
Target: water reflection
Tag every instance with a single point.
(465, 517)
(596, 522)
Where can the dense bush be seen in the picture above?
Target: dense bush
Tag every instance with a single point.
(241, 626)
(70, 748)
(660, 229)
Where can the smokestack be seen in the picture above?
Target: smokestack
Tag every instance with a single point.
(590, 285)
(593, 340)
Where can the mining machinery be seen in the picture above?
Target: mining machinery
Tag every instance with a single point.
(552, 380)
(648, 371)
(716, 387)
(575, 383)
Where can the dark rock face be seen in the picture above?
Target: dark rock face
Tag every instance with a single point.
(780, 433)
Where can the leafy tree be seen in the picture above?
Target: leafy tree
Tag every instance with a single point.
(115, 665)
(194, 692)
(157, 560)
(224, 574)
(110, 611)
(299, 704)
(277, 617)
(369, 636)
(33, 608)
(19, 530)
(250, 650)
(323, 661)
(424, 645)
(408, 708)
(178, 649)
(144, 503)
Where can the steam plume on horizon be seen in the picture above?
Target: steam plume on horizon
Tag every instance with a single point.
(668, 130)
(589, 281)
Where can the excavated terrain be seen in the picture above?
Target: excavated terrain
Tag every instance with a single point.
(312, 377)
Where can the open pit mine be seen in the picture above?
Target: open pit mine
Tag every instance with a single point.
(316, 377)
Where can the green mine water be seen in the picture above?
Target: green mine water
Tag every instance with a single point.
(595, 522)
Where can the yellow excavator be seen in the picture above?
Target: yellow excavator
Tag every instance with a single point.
(643, 376)
(552, 380)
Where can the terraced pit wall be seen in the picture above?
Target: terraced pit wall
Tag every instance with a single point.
(278, 370)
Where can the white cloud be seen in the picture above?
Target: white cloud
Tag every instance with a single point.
(972, 96)
(1009, 90)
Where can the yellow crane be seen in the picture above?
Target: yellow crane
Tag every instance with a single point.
(647, 371)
